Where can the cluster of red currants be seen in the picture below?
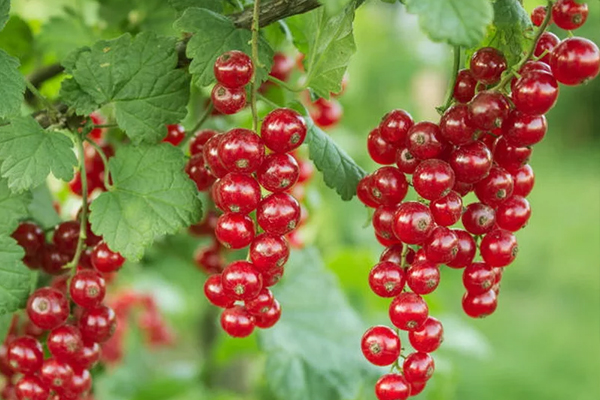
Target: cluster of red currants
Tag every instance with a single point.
(482, 144)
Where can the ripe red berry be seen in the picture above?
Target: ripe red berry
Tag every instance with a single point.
(433, 179)
(24, 355)
(283, 66)
(511, 157)
(278, 213)
(513, 214)
(197, 171)
(423, 141)
(524, 130)
(87, 357)
(228, 100)
(487, 65)
(392, 387)
(57, 375)
(200, 139)
(408, 311)
(418, 367)
(97, 324)
(105, 260)
(471, 163)
(488, 110)
(326, 113)
(364, 192)
(233, 69)
(241, 150)
(524, 179)
(479, 218)
(31, 238)
(498, 248)
(387, 279)
(211, 156)
(270, 317)
(236, 322)
(545, 45)
(388, 186)
(241, 281)
(283, 130)
(383, 221)
(261, 303)
(462, 188)
(478, 278)
(538, 15)
(447, 210)
(87, 288)
(405, 161)
(465, 86)
(441, 246)
(454, 126)
(53, 260)
(30, 388)
(394, 254)
(213, 290)
(535, 93)
(413, 222)
(234, 230)
(209, 259)
(381, 345)
(64, 343)
(569, 14)
(381, 152)
(175, 134)
(575, 60)
(278, 172)
(423, 277)
(66, 236)
(80, 384)
(395, 125)
(480, 305)
(47, 308)
(429, 338)
(238, 193)
(269, 251)
(495, 188)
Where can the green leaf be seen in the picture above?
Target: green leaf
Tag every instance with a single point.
(4, 9)
(313, 352)
(139, 77)
(62, 35)
(12, 86)
(13, 208)
(151, 196)
(72, 94)
(458, 22)
(182, 5)
(139, 15)
(15, 277)
(328, 43)
(28, 154)
(17, 39)
(5, 322)
(41, 208)
(215, 34)
(334, 6)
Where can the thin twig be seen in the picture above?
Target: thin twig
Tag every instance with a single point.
(99, 150)
(189, 134)
(285, 85)
(42, 98)
(84, 205)
(255, 60)
(450, 93)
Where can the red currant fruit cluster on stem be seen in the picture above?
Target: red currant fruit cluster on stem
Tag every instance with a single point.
(94, 165)
(233, 70)
(482, 144)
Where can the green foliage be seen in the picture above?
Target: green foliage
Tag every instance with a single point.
(328, 43)
(4, 9)
(13, 207)
(28, 154)
(13, 85)
(16, 38)
(15, 278)
(458, 22)
(214, 35)
(182, 5)
(62, 35)
(151, 196)
(334, 6)
(139, 15)
(308, 353)
(139, 77)
(41, 208)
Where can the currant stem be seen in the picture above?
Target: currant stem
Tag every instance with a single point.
(453, 77)
(198, 125)
(84, 205)
(255, 60)
(285, 85)
(99, 150)
(268, 101)
(51, 109)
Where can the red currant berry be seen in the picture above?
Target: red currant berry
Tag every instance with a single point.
(53, 260)
(105, 260)
(524, 179)
(413, 222)
(175, 134)
(406, 162)
(272, 276)
(211, 156)
(87, 357)
(197, 171)
(269, 251)
(495, 188)
(386, 279)
(538, 15)
(524, 130)
(548, 41)
(278, 213)
(80, 384)
(283, 130)
(471, 163)
(380, 151)
(213, 290)
(394, 254)
(364, 192)
(234, 230)
(480, 305)
(455, 128)
(241, 281)
(97, 324)
(326, 113)
(433, 179)
(87, 289)
(25, 355)
(228, 100)
(383, 220)
(31, 238)
(575, 60)
(57, 375)
(233, 69)
(395, 125)
(429, 338)
(510, 157)
(423, 277)
(513, 214)
(388, 186)
(569, 14)
(31, 388)
(282, 66)
(498, 248)
(441, 246)
(408, 311)
(238, 193)
(478, 278)
(447, 210)
(423, 141)
(199, 139)
(278, 173)
(64, 343)
(241, 150)
(392, 387)
(261, 303)
(269, 318)
(66, 236)
(418, 367)
(487, 65)
(488, 110)
(381, 346)
(535, 93)
(417, 388)
(209, 259)
(479, 218)
(465, 86)
(47, 308)
(462, 188)
(236, 322)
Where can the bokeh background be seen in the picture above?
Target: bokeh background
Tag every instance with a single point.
(543, 342)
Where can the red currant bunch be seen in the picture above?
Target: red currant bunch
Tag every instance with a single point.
(233, 70)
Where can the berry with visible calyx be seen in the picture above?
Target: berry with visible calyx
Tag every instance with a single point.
(383, 221)
(105, 260)
(87, 288)
(272, 276)
(25, 355)
(487, 65)
(418, 367)
(441, 246)
(261, 303)
(87, 357)
(405, 161)
(392, 387)
(238, 193)
(269, 318)
(241, 150)
(511, 157)
(524, 179)
(234, 230)
(423, 141)
(381, 152)
(213, 290)
(447, 210)
(455, 128)
(479, 218)
(513, 214)
(408, 311)
(47, 308)
(199, 139)
(478, 278)
(31, 238)
(197, 171)
(31, 387)
(269, 251)
(498, 248)
(538, 15)
(381, 346)
(233, 69)
(56, 374)
(175, 134)
(395, 125)
(480, 305)
(465, 86)
(471, 163)
(423, 277)
(429, 338)
(326, 113)
(413, 222)
(433, 179)
(64, 343)
(365, 193)
(278, 213)
(228, 100)
(388, 186)
(575, 60)
(278, 172)
(387, 279)
(569, 14)
(236, 322)
(545, 45)
(283, 130)
(241, 281)
(535, 93)
(495, 188)
(66, 236)
(488, 110)
(97, 324)
(210, 152)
